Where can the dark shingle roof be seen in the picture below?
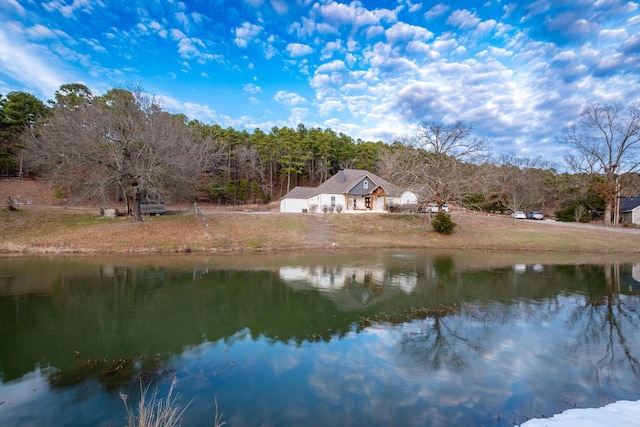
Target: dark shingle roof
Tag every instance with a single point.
(338, 185)
(301, 193)
(627, 204)
(342, 183)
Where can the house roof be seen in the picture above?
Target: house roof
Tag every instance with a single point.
(342, 183)
(628, 204)
(301, 193)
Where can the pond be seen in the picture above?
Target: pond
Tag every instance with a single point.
(411, 338)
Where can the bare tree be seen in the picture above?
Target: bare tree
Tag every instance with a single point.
(121, 141)
(606, 141)
(433, 161)
(520, 182)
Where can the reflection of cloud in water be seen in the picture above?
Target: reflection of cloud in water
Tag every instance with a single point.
(378, 387)
(515, 362)
(21, 393)
(286, 363)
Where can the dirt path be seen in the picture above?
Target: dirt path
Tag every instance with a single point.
(321, 233)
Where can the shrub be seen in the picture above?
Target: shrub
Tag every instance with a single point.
(157, 412)
(11, 204)
(573, 213)
(442, 223)
(154, 411)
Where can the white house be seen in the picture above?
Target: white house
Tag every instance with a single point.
(350, 190)
(630, 210)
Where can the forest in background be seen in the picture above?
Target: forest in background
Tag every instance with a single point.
(123, 144)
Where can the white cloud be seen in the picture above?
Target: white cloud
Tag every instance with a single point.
(68, 10)
(17, 6)
(246, 33)
(298, 49)
(41, 32)
(251, 88)
(331, 67)
(290, 99)
(25, 64)
(402, 32)
(463, 19)
(280, 6)
(339, 15)
(436, 11)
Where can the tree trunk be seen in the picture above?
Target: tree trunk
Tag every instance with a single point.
(137, 213)
(607, 214)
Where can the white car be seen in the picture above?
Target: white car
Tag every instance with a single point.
(433, 208)
(519, 215)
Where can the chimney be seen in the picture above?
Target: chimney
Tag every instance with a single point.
(341, 176)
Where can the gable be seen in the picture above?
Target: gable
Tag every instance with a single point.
(365, 186)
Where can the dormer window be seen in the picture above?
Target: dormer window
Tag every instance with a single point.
(366, 184)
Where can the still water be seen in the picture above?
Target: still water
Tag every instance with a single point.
(377, 339)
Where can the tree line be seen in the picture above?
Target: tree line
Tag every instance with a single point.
(122, 145)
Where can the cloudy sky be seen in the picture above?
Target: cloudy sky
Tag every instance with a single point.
(517, 71)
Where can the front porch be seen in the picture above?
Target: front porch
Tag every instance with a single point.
(376, 201)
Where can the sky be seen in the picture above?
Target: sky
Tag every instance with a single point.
(518, 72)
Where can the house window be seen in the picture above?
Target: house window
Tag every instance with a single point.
(366, 184)
(333, 200)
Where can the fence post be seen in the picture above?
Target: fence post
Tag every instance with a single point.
(201, 218)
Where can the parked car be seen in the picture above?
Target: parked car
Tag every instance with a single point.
(519, 215)
(433, 208)
(535, 215)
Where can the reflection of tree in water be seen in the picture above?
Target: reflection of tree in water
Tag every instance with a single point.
(443, 266)
(435, 342)
(603, 323)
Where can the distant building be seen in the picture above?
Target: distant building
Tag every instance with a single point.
(630, 210)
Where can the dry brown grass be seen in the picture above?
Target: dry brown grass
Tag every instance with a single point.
(47, 227)
(56, 230)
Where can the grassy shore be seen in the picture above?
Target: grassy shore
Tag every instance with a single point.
(57, 230)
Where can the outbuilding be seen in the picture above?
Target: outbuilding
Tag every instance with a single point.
(630, 210)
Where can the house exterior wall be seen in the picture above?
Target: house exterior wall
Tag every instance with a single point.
(331, 200)
(315, 204)
(630, 217)
(294, 205)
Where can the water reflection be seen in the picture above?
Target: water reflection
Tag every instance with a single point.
(449, 339)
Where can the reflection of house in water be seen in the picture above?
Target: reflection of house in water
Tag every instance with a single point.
(630, 279)
(349, 287)
(522, 268)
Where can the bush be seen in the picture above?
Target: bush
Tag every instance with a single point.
(442, 223)
(11, 204)
(573, 213)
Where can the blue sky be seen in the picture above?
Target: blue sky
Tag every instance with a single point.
(517, 71)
